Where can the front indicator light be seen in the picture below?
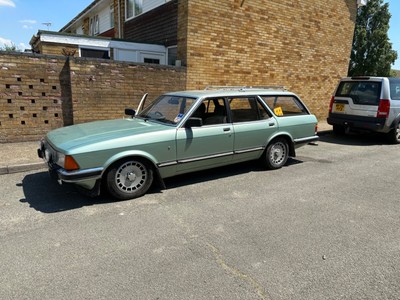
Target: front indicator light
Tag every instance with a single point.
(70, 164)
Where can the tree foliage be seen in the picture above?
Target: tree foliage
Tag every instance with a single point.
(9, 48)
(372, 52)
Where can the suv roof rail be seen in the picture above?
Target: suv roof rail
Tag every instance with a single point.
(360, 77)
(243, 88)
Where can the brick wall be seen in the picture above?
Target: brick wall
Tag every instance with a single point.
(40, 93)
(304, 45)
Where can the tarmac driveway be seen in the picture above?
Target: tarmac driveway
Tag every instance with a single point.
(325, 227)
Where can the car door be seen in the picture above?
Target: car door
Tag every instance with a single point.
(252, 124)
(206, 146)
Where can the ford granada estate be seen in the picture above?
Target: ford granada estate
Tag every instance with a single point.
(178, 133)
(367, 104)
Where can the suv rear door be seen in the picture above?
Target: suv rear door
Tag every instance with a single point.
(357, 97)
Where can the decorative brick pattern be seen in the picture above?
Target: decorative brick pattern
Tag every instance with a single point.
(30, 97)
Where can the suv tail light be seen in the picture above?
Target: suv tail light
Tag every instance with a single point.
(383, 108)
(331, 104)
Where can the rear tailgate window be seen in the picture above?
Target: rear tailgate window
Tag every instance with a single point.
(361, 92)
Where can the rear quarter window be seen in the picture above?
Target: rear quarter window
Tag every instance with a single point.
(285, 105)
(394, 88)
(362, 92)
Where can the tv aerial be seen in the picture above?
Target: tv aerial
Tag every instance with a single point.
(47, 24)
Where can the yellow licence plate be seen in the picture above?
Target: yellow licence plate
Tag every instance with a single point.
(339, 107)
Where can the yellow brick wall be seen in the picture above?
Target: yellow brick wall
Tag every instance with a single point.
(58, 49)
(301, 44)
(39, 93)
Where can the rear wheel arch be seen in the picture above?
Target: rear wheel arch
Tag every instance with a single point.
(289, 140)
(277, 152)
(394, 133)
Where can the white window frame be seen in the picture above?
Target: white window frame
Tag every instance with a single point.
(112, 15)
(133, 5)
(94, 27)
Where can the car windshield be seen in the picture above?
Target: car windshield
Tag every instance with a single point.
(168, 109)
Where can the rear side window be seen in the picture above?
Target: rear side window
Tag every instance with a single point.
(285, 105)
(245, 109)
(362, 92)
(394, 88)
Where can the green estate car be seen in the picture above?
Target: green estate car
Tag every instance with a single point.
(178, 133)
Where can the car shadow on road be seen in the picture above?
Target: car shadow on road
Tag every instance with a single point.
(46, 195)
(355, 139)
(221, 172)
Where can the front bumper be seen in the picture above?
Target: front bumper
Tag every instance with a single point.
(47, 154)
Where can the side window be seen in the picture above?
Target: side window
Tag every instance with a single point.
(245, 109)
(285, 105)
(212, 111)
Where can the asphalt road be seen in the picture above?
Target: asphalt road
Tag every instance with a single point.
(326, 226)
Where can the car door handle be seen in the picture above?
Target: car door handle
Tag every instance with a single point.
(227, 129)
(271, 124)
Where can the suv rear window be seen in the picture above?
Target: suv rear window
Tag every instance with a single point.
(362, 92)
(394, 88)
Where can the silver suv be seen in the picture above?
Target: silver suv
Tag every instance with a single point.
(367, 104)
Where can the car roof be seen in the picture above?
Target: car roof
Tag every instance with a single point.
(358, 78)
(231, 91)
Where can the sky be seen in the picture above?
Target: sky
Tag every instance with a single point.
(21, 19)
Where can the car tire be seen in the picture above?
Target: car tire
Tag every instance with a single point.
(394, 134)
(129, 179)
(338, 130)
(276, 154)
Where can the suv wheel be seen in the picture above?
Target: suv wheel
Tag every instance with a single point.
(394, 134)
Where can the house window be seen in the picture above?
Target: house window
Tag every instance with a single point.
(112, 16)
(95, 53)
(94, 25)
(172, 55)
(133, 8)
(151, 61)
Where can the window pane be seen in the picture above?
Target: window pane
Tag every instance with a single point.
(138, 7)
(285, 105)
(362, 92)
(244, 109)
(95, 53)
(215, 111)
(152, 61)
(130, 4)
(172, 55)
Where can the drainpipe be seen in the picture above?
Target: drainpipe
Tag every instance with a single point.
(119, 19)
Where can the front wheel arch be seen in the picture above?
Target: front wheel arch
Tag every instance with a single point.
(124, 192)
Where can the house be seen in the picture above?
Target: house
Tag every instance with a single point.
(137, 31)
(302, 44)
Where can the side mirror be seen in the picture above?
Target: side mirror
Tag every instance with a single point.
(130, 112)
(194, 122)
